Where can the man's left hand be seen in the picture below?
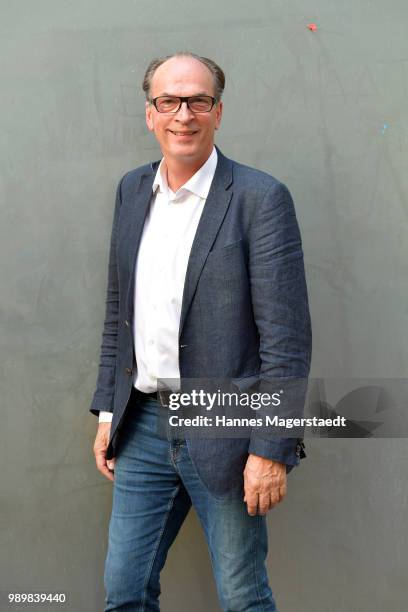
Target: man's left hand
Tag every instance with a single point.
(264, 484)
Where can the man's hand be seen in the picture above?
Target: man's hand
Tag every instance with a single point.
(100, 446)
(264, 484)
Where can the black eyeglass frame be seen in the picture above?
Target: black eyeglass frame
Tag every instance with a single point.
(181, 100)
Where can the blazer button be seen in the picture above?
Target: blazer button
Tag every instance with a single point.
(127, 323)
(128, 371)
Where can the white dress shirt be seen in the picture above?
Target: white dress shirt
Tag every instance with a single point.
(161, 265)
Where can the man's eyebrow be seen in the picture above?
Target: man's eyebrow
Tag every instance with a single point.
(172, 95)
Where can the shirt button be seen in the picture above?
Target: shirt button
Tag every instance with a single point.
(128, 371)
(151, 342)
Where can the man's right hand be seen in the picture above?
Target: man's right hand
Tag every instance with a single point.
(106, 467)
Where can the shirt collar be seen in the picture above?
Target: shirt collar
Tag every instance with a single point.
(199, 184)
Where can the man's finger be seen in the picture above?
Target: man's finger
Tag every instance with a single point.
(100, 449)
(277, 496)
(264, 503)
(274, 500)
(282, 493)
(252, 503)
(102, 464)
(103, 468)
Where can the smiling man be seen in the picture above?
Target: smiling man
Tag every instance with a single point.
(206, 280)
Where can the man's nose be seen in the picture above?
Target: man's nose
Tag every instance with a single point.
(184, 113)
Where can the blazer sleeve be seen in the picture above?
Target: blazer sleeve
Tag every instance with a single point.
(105, 386)
(281, 312)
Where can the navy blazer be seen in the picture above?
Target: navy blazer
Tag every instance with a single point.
(244, 315)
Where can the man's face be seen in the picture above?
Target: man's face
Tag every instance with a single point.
(183, 136)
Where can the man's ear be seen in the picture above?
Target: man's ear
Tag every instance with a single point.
(218, 115)
(149, 116)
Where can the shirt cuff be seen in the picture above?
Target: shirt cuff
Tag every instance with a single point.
(105, 417)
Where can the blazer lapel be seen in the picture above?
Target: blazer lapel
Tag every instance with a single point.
(215, 208)
(140, 209)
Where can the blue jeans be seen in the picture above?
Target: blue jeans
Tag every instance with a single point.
(154, 487)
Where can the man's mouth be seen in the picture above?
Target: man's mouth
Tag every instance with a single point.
(189, 133)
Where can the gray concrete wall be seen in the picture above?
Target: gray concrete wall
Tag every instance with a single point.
(324, 111)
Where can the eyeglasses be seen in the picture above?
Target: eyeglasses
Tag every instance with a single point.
(172, 104)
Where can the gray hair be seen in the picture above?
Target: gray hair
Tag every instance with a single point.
(216, 71)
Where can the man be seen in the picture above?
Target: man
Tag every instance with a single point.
(206, 279)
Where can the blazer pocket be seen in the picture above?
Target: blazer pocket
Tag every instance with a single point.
(225, 269)
(225, 251)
